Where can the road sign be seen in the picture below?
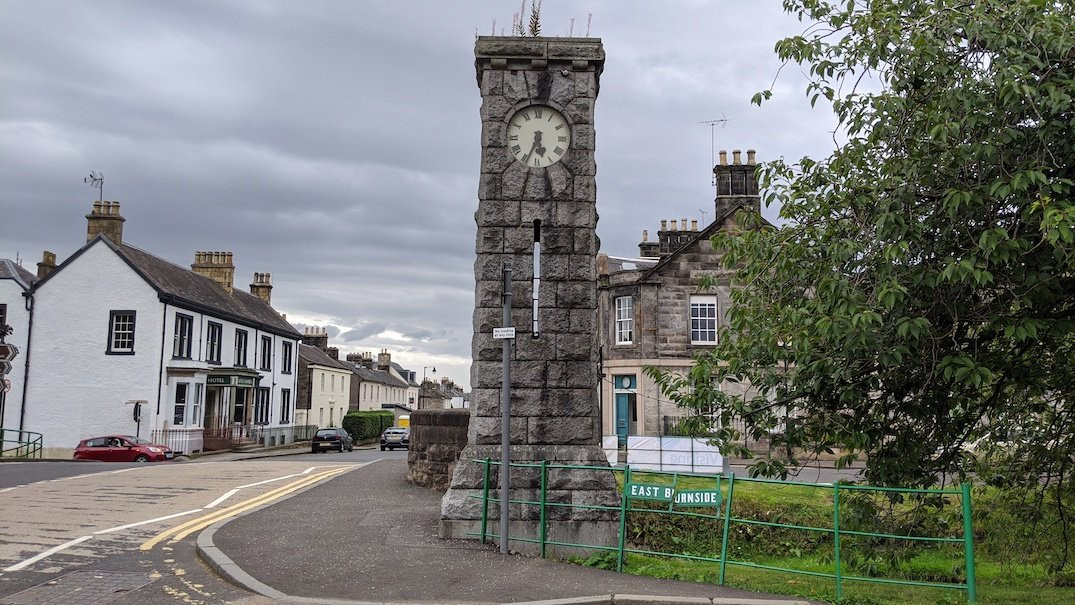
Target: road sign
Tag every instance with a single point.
(5, 367)
(503, 333)
(8, 352)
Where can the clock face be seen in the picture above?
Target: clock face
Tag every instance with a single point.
(538, 136)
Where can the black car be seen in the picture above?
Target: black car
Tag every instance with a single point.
(395, 437)
(332, 439)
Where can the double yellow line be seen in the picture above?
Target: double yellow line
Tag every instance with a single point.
(179, 532)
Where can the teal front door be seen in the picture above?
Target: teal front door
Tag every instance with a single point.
(625, 404)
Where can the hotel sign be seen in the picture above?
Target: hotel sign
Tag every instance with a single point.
(229, 381)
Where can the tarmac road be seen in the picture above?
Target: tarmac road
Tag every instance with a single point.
(369, 535)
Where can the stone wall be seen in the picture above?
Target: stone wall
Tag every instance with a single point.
(437, 439)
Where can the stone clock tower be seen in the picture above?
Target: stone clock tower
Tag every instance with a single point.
(537, 212)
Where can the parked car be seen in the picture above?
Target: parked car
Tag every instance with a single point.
(395, 437)
(122, 448)
(332, 439)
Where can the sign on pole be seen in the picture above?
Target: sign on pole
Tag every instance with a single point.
(5, 367)
(5, 385)
(503, 333)
(8, 352)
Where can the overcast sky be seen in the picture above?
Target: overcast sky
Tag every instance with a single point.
(335, 144)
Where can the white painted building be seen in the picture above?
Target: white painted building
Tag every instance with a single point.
(14, 283)
(116, 329)
(324, 388)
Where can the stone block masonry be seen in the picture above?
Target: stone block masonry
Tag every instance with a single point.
(555, 413)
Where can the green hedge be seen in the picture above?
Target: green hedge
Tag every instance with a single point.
(368, 425)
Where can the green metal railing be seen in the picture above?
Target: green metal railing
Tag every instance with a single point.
(725, 498)
(20, 444)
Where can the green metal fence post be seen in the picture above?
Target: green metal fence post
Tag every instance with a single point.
(836, 539)
(727, 520)
(485, 499)
(623, 517)
(544, 536)
(968, 545)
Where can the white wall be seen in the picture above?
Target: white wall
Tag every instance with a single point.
(328, 405)
(75, 390)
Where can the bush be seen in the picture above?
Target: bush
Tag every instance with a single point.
(364, 426)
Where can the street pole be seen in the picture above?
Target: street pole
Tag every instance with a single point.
(505, 416)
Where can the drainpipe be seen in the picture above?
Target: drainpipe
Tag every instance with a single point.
(29, 295)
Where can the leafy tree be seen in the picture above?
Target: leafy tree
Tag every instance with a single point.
(921, 295)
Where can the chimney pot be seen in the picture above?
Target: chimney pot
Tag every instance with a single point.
(673, 221)
(736, 157)
(750, 157)
(723, 157)
(694, 224)
(682, 224)
(664, 225)
(645, 235)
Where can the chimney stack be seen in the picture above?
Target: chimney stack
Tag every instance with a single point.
(315, 337)
(737, 183)
(217, 266)
(105, 220)
(47, 264)
(384, 360)
(262, 287)
(333, 352)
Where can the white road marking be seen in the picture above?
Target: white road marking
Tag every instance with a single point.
(226, 495)
(125, 470)
(146, 522)
(268, 481)
(49, 552)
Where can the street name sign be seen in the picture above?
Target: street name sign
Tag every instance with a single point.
(698, 497)
(657, 493)
(503, 333)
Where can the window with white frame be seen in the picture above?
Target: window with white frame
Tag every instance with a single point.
(179, 415)
(261, 405)
(703, 320)
(285, 358)
(240, 348)
(285, 406)
(184, 327)
(213, 334)
(266, 353)
(196, 404)
(625, 320)
(120, 332)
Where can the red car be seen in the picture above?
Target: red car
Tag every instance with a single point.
(122, 448)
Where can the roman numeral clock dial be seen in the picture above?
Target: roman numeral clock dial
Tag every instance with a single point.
(538, 136)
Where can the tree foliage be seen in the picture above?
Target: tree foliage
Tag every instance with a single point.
(920, 297)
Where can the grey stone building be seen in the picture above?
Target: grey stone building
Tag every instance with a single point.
(652, 311)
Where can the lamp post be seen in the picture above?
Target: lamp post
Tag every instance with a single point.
(424, 373)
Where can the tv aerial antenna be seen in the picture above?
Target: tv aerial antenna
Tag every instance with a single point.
(723, 121)
(97, 181)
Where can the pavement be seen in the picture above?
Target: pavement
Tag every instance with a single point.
(370, 537)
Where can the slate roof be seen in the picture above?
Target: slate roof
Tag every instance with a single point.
(368, 375)
(10, 270)
(181, 287)
(315, 355)
(404, 372)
